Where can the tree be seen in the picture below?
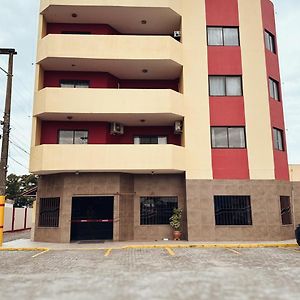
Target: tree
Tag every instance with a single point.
(17, 185)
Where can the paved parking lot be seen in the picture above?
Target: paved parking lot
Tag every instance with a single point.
(268, 273)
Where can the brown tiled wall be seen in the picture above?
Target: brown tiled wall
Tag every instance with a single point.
(126, 190)
(265, 205)
(296, 198)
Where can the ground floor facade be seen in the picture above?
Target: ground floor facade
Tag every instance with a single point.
(118, 206)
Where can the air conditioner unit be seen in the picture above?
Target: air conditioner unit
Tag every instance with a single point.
(116, 128)
(177, 34)
(178, 127)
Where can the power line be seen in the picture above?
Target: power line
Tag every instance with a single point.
(19, 147)
(17, 162)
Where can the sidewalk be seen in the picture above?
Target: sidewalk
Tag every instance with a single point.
(27, 244)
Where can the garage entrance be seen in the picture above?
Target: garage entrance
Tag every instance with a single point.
(92, 218)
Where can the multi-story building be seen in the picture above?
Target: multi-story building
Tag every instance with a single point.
(142, 106)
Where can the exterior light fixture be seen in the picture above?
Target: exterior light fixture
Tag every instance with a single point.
(142, 121)
(144, 22)
(69, 117)
(145, 71)
(74, 15)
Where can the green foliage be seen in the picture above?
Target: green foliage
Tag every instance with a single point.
(17, 185)
(175, 220)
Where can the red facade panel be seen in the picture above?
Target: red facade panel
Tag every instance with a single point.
(224, 60)
(99, 132)
(230, 164)
(227, 112)
(222, 12)
(276, 108)
(59, 28)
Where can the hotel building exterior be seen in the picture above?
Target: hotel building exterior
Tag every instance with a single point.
(142, 106)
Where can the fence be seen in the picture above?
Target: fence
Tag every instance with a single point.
(16, 219)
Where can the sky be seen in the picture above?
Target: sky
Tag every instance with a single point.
(18, 29)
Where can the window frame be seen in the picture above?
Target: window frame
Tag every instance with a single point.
(247, 208)
(150, 136)
(274, 88)
(225, 84)
(72, 130)
(270, 37)
(57, 208)
(288, 210)
(275, 132)
(75, 83)
(223, 40)
(227, 136)
(143, 220)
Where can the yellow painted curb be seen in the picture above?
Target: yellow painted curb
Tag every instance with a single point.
(24, 249)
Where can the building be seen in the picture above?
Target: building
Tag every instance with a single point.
(142, 106)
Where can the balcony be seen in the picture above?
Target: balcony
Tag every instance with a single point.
(127, 106)
(122, 56)
(162, 16)
(49, 159)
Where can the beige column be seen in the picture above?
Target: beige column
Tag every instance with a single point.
(257, 110)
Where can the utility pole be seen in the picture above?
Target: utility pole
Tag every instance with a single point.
(5, 135)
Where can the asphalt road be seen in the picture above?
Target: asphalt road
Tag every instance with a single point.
(151, 274)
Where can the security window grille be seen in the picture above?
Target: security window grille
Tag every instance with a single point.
(223, 36)
(150, 140)
(270, 41)
(157, 210)
(49, 212)
(74, 84)
(233, 210)
(228, 137)
(274, 89)
(73, 137)
(225, 86)
(278, 139)
(286, 215)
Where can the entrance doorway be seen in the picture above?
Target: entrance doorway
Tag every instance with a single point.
(92, 218)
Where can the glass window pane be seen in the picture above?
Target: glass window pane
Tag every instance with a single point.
(234, 86)
(236, 137)
(65, 137)
(267, 40)
(215, 36)
(67, 84)
(278, 139)
(276, 91)
(82, 84)
(231, 36)
(217, 86)
(136, 140)
(81, 137)
(219, 137)
(271, 87)
(162, 140)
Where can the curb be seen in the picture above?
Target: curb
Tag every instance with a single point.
(196, 246)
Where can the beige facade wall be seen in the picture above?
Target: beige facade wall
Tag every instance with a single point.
(256, 96)
(195, 89)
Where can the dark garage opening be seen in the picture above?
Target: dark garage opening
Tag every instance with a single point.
(92, 218)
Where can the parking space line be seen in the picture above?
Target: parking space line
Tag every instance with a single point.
(38, 254)
(107, 252)
(234, 251)
(170, 251)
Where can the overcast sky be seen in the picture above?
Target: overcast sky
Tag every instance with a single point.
(18, 29)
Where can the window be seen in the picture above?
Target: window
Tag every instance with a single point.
(270, 41)
(73, 137)
(223, 36)
(225, 86)
(74, 84)
(157, 210)
(278, 139)
(49, 212)
(150, 140)
(285, 206)
(274, 89)
(233, 210)
(228, 137)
